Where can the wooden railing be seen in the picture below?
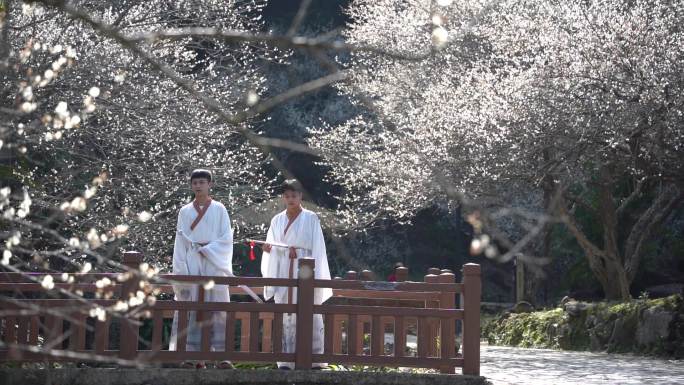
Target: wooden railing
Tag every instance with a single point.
(67, 326)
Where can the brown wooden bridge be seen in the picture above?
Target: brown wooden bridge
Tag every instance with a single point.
(73, 320)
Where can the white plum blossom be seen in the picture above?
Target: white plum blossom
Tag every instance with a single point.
(86, 268)
(47, 282)
(526, 99)
(90, 107)
(144, 216)
(94, 92)
(6, 255)
(439, 36)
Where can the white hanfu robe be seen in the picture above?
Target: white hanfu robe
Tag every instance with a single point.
(306, 234)
(213, 236)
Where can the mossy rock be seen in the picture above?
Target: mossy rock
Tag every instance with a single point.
(602, 326)
(527, 329)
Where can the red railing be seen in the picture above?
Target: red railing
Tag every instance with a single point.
(67, 328)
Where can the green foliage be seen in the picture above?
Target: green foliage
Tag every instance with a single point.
(569, 264)
(659, 255)
(242, 266)
(146, 330)
(5, 170)
(530, 330)
(663, 259)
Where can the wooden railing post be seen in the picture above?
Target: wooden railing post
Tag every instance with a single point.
(203, 320)
(430, 325)
(447, 300)
(367, 275)
(266, 337)
(401, 273)
(472, 290)
(305, 297)
(128, 343)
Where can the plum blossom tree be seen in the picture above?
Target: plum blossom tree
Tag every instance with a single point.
(105, 110)
(576, 103)
(104, 142)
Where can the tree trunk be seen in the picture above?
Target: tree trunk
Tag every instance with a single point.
(615, 283)
(612, 276)
(537, 280)
(552, 198)
(615, 269)
(668, 199)
(606, 266)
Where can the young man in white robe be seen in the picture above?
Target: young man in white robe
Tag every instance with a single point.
(204, 247)
(301, 229)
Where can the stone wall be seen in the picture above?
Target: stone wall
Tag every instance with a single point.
(654, 327)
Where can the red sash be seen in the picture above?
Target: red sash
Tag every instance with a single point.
(200, 212)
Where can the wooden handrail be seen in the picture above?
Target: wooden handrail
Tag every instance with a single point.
(389, 286)
(168, 289)
(388, 311)
(374, 307)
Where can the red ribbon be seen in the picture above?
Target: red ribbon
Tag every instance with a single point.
(252, 257)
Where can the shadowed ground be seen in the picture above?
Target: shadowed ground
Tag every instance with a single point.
(155, 376)
(500, 366)
(505, 365)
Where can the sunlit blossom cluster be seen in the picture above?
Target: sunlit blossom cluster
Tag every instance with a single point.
(519, 96)
(112, 140)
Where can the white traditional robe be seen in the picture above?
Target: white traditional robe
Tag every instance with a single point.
(305, 232)
(214, 237)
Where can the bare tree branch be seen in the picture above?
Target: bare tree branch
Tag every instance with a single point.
(60, 353)
(279, 41)
(636, 194)
(666, 202)
(299, 17)
(210, 103)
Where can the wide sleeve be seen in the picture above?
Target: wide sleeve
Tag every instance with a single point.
(318, 253)
(180, 262)
(220, 250)
(269, 265)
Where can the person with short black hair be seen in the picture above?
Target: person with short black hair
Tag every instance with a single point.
(301, 229)
(203, 246)
(200, 173)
